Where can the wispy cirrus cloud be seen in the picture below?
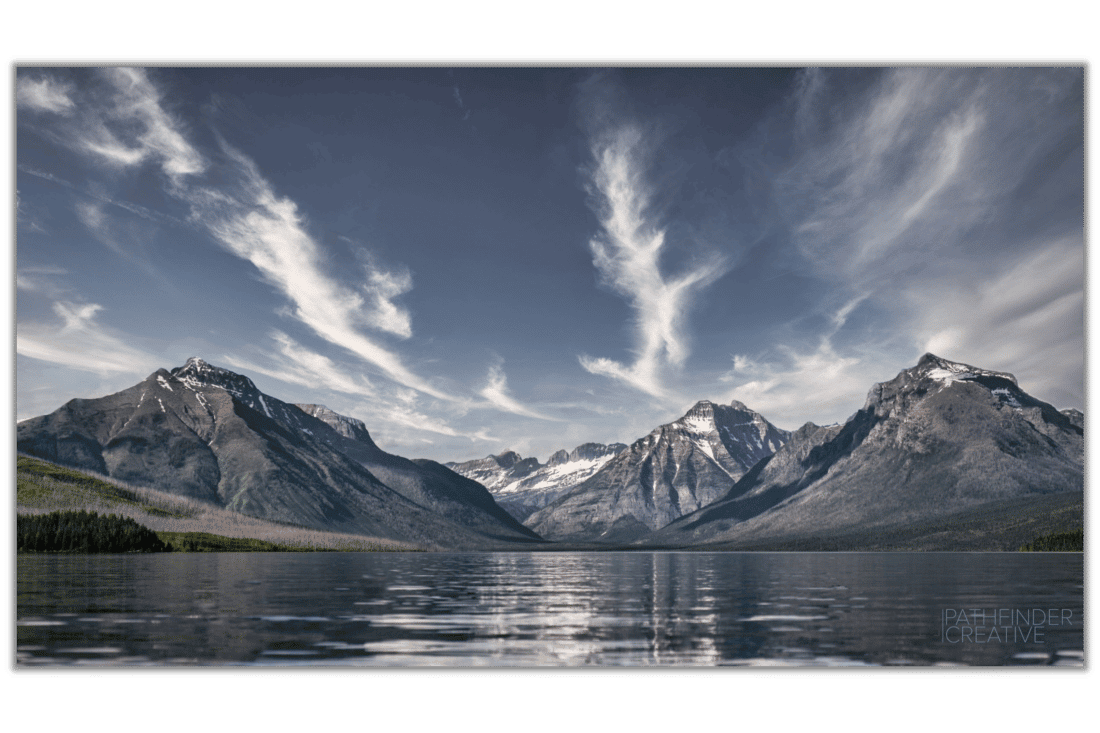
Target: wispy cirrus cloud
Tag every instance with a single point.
(149, 131)
(44, 175)
(256, 224)
(295, 364)
(381, 286)
(125, 123)
(39, 279)
(920, 195)
(818, 382)
(496, 394)
(78, 341)
(1040, 294)
(44, 94)
(23, 216)
(627, 253)
(876, 184)
(399, 416)
(127, 126)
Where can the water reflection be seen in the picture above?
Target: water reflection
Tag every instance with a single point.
(534, 609)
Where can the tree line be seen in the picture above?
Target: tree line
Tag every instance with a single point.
(84, 532)
(1059, 542)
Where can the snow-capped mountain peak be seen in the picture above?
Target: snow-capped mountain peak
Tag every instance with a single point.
(523, 485)
(933, 375)
(198, 373)
(699, 419)
(942, 370)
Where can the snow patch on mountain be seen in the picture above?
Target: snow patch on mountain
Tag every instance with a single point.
(523, 485)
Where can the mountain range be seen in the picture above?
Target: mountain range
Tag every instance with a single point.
(939, 446)
(676, 469)
(943, 456)
(208, 433)
(523, 485)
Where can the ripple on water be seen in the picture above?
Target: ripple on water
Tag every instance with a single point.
(782, 617)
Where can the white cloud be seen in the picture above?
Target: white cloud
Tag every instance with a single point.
(295, 364)
(1024, 315)
(38, 279)
(158, 134)
(129, 126)
(397, 415)
(860, 194)
(910, 194)
(123, 125)
(44, 95)
(496, 393)
(268, 231)
(44, 175)
(80, 342)
(818, 384)
(24, 218)
(97, 138)
(381, 287)
(628, 256)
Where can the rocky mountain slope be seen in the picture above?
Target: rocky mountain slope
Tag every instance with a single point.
(676, 469)
(940, 440)
(210, 434)
(523, 485)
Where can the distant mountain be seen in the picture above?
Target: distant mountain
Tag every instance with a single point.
(929, 449)
(209, 433)
(676, 469)
(523, 485)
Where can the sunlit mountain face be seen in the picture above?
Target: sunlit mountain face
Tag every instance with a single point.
(943, 456)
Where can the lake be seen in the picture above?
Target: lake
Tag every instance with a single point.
(551, 609)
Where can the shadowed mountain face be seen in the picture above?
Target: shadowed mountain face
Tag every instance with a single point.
(523, 485)
(939, 439)
(674, 470)
(210, 434)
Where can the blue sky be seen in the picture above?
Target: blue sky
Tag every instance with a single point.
(474, 259)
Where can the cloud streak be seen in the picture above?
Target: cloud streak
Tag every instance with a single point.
(980, 322)
(258, 225)
(295, 364)
(627, 253)
(872, 187)
(128, 126)
(80, 342)
(909, 196)
(44, 95)
(154, 133)
(818, 383)
(496, 394)
(125, 123)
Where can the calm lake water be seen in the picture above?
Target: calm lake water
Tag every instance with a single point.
(557, 609)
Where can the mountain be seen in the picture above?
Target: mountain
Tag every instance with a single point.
(938, 447)
(676, 469)
(210, 434)
(523, 485)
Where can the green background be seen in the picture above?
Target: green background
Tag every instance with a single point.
(563, 26)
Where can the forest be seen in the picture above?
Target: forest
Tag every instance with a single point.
(84, 532)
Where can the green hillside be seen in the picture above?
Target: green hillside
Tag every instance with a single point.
(44, 489)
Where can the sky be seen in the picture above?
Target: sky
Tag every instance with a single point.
(474, 259)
